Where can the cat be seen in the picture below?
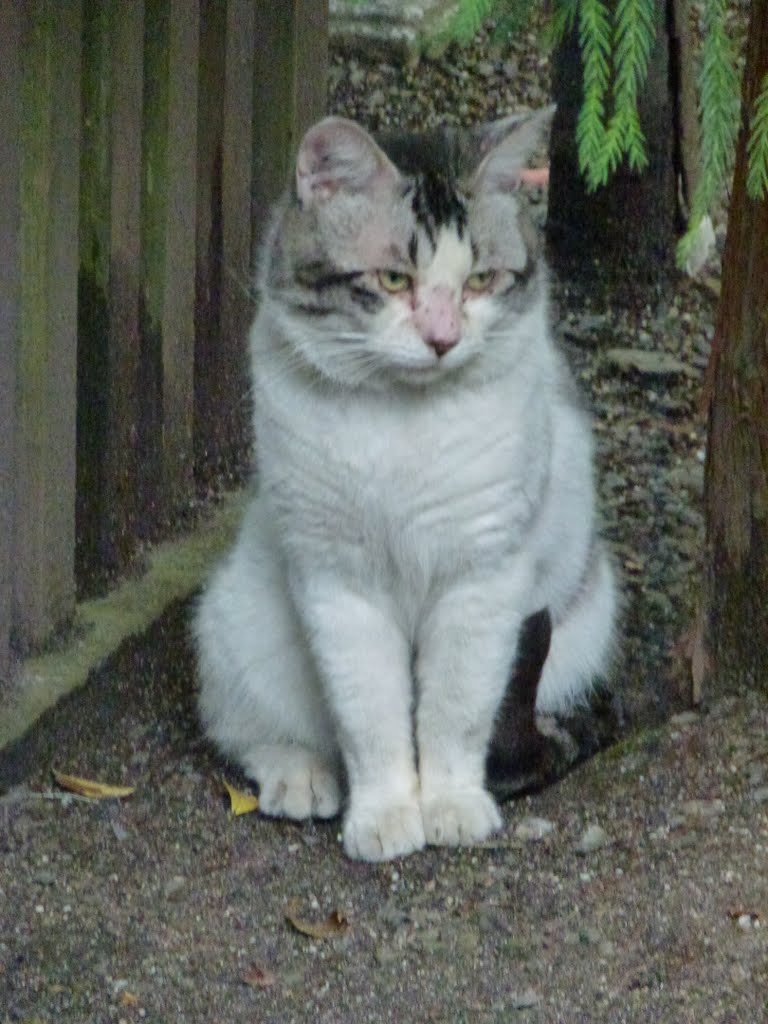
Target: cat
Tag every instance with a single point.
(425, 486)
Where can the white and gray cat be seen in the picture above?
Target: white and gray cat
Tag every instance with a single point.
(425, 486)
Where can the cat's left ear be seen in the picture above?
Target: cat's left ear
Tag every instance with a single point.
(505, 147)
(337, 154)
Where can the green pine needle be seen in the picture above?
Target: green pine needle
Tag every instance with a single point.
(757, 146)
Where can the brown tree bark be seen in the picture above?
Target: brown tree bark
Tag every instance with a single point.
(736, 489)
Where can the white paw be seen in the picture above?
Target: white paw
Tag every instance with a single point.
(380, 833)
(297, 784)
(460, 818)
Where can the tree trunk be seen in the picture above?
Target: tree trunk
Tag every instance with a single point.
(736, 490)
(619, 240)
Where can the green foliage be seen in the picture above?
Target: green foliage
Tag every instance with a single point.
(511, 16)
(616, 38)
(615, 49)
(757, 147)
(468, 19)
(718, 82)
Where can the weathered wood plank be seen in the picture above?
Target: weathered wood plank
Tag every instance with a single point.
(289, 92)
(168, 254)
(108, 354)
(49, 169)
(209, 268)
(310, 65)
(10, 88)
(224, 294)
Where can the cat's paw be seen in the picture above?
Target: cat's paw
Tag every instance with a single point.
(460, 818)
(382, 833)
(297, 783)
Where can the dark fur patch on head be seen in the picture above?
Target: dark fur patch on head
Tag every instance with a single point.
(435, 203)
(432, 162)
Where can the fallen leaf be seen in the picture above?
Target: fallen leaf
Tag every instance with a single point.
(335, 924)
(129, 999)
(258, 977)
(89, 788)
(240, 802)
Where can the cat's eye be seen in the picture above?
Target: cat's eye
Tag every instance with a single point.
(394, 281)
(481, 280)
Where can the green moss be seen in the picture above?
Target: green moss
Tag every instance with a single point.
(175, 570)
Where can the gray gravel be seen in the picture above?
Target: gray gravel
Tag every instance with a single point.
(634, 890)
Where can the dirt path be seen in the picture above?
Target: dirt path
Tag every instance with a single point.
(634, 890)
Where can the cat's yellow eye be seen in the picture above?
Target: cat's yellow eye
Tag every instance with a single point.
(394, 281)
(480, 281)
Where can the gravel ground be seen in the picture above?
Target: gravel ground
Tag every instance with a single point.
(635, 889)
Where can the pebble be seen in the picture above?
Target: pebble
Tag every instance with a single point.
(525, 1000)
(594, 838)
(702, 808)
(173, 889)
(760, 795)
(645, 363)
(685, 718)
(532, 829)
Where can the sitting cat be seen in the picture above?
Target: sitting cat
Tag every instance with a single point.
(425, 485)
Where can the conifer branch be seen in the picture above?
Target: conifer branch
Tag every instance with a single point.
(757, 146)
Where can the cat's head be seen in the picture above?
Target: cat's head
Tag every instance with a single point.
(409, 258)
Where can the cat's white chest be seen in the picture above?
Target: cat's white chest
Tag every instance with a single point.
(401, 492)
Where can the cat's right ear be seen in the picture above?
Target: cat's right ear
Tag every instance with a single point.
(338, 154)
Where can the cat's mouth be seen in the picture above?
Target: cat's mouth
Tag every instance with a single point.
(419, 374)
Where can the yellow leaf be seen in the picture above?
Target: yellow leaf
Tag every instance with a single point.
(240, 802)
(89, 788)
(129, 999)
(335, 924)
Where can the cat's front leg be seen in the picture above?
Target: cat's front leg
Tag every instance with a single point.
(466, 648)
(364, 663)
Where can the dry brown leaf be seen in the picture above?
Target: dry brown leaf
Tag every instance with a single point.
(89, 788)
(129, 999)
(240, 802)
(335, 924)
(258, 977)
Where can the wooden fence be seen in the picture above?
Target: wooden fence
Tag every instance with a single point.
(141, 142)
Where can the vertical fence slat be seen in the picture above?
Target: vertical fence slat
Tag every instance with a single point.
(310, 64)
(10, 87)
(45, 481)
(289, 92)
(125, 255)
(108, 290)
(168, 252)
(224, 276)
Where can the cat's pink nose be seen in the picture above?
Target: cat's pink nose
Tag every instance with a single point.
(437, 318)
(441, 347)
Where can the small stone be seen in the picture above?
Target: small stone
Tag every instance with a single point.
(760, 795)
(748, 921)
(702, 808)
(594, 838)
(484, 68)
(646, 363)
(525, 1000)
(174, 888)
(532, 829)
(685, 718)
